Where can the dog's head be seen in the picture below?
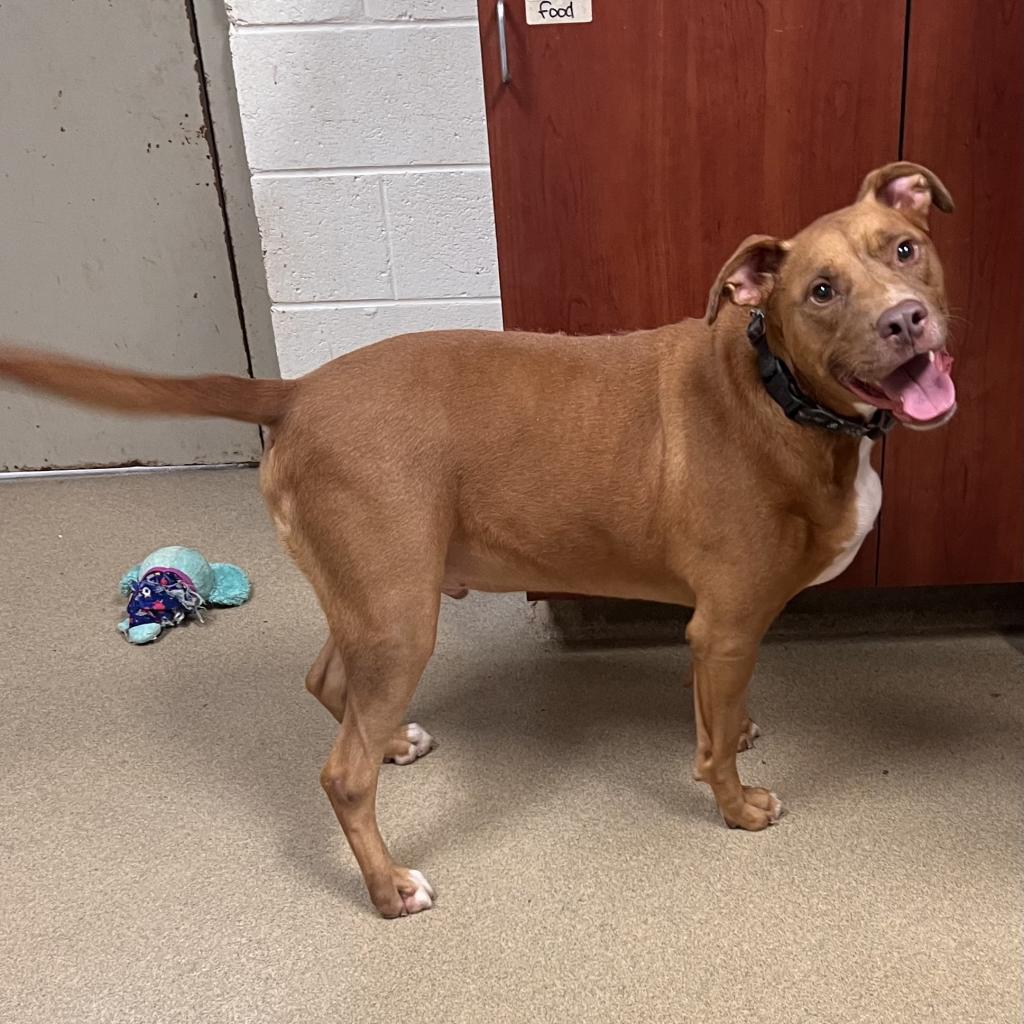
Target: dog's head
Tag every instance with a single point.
(855, 302)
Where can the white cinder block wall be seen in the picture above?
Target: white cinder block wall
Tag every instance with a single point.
(365, 132)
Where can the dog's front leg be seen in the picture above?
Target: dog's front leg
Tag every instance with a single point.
(723, 654)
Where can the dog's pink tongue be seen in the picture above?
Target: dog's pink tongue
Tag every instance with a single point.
(922, 390)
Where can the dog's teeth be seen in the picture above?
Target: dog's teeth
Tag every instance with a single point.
(931, 357)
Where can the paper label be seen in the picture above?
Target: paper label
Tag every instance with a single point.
(558, 12)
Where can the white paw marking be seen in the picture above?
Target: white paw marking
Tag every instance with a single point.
(747, 737)
(775, 811)
(420, 743)
(422, 898)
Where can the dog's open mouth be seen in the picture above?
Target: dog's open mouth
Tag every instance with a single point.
(919, 392)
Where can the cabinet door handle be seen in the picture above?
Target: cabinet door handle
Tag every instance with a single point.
(506, 75)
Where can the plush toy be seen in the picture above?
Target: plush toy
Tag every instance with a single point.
(174, 584)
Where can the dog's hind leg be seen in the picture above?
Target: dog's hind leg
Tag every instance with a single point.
(326, 681)
(376, 561)
(383, 658)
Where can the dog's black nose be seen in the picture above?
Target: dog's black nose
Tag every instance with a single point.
(904, 322)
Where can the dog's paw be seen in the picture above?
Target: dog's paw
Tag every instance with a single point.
(750, 733)
(760, 808)
(409, 744)
(412, 893)
(416, 892)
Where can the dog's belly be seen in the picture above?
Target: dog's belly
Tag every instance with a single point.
(868, 500)
(468, 568)
(473, 569)
(465, 571)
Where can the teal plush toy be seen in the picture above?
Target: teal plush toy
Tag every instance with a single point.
(174, 584)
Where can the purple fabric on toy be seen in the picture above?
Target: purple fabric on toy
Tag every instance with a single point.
(172, 574)
(165, 596)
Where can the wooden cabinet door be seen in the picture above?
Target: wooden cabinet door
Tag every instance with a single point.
(954, 499)
(631, 155)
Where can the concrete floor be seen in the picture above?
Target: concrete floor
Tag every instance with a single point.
(168, 856)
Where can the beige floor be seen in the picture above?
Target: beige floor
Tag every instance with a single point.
(167, 854)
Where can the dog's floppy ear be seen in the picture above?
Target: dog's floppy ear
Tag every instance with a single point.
(909, 188)
(749, 274)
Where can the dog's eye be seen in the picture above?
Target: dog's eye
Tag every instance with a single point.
(906, 251)
(822, 292)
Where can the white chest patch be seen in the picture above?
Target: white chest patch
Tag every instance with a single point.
(868, 500)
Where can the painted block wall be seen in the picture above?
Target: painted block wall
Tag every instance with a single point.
(366, 138)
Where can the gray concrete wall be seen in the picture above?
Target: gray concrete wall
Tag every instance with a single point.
(365, 130)
(113, 243)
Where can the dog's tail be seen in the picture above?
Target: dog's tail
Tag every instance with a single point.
(143, 394)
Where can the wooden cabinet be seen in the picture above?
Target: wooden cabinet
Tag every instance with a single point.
(954, 500)
(630, 155)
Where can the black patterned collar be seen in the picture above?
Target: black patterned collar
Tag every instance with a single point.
(781, 385)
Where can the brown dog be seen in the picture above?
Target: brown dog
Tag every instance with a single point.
(650, 465)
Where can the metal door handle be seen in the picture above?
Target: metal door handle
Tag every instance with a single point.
(506, 75)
